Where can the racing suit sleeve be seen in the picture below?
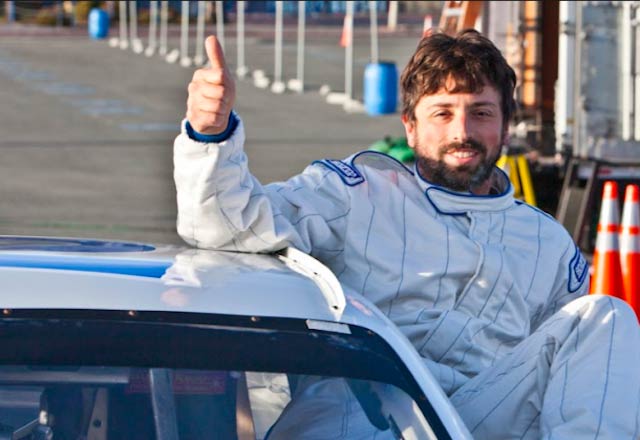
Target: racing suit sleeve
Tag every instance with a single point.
(571, 281)
(222, 206)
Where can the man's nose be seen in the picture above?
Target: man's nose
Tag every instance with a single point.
(460, 128)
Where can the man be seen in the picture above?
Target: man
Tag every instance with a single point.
(488, 289)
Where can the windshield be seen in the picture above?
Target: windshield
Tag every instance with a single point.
(78, 374)
(115, 403)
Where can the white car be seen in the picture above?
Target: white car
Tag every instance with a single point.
(115, 340)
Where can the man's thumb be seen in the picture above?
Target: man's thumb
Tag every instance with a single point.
(214, 52)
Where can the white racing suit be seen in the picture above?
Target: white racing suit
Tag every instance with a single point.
(485, 287)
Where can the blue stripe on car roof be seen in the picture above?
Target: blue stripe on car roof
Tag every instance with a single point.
(142, 268)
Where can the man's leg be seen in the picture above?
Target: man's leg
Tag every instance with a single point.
(577, 376)
(325, 409)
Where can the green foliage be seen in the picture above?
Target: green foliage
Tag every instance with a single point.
(394, 147)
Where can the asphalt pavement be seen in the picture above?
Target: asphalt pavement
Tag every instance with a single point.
(87, 129)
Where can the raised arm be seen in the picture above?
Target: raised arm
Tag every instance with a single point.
(221, 205)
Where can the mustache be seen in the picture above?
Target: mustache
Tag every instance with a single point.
(469, 144)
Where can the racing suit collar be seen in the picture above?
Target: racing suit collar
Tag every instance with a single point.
(447, 201)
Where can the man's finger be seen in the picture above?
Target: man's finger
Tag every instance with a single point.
(212, 76)
(214, 52)
(212, 92)
(210, 106)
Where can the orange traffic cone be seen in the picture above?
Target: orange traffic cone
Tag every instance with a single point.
(607, 273)
(630, 247)
(427, 27)
(345, 38)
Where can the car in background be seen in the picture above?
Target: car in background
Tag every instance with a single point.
(117, 340)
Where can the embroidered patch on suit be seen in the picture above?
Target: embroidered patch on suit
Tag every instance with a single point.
(578, 269)
(348, 173)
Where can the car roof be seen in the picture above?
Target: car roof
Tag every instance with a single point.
(69, 273)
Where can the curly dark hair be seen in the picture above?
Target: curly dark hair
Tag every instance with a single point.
(469, 58)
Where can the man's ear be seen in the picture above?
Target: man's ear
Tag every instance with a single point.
(409, 129)
(506, 136)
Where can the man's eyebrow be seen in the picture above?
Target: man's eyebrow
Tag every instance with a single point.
(474, 104)
(484, 104)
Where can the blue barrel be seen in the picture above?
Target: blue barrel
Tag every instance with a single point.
(98, 24)
(380, 88)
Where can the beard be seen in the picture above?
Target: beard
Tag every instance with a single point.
(461, 178)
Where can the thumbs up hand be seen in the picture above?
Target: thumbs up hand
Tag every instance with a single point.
(212, 93)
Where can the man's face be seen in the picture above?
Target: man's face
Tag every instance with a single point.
(457, 138)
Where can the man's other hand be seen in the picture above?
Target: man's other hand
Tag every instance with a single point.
(212, 93)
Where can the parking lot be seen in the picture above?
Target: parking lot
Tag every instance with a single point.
(87, 129)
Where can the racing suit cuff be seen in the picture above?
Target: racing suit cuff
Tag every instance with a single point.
(213, 138)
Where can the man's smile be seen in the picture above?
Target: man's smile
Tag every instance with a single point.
(462, 156)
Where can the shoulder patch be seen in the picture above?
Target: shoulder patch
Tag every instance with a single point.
(348, 173)
(578, 269)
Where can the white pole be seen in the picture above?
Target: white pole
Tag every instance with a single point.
(564, 102)
(576, 81)
(392, 17)
(136, 44)
(133, 21)
(242, 69)
(278, 86)
(153, 24)
(164, 18)
(373, 25)
(198, 59)
(185, 61)
(220, 22)
(124, 39)
(297, 84)
(626, 73)
(348, 64)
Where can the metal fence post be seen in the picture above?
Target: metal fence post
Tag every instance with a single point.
(164, 18)
(136, 43)
(373, 26)
(124, 39)
(278, 86)
(242, 69)
(199, 59)
(153, 24)
(220, 22)
(185, 61)
(297, 84)
(348, 62)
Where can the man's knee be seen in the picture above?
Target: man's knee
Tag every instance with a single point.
(606, 311)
